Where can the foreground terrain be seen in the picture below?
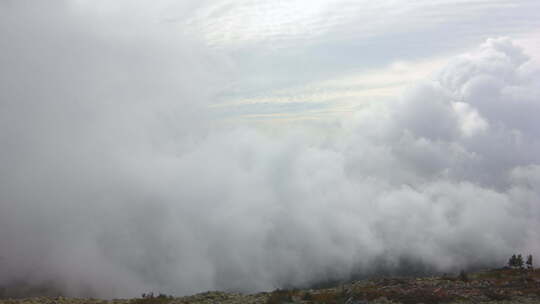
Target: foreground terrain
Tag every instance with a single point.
(492, 286)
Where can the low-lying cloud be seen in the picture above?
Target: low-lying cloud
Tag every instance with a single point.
(114, 182)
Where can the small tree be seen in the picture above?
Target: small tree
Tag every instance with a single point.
(529, 262)
(512, 261)
(519, 261)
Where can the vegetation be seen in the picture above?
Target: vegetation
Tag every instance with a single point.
(280, 296)
(516, 261)
(463, 276)
(530, 262)
(149, 298)
(513, 284)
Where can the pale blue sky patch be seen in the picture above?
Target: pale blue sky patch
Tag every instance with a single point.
(280, 46)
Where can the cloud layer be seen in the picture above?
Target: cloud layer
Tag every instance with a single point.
(114, 182)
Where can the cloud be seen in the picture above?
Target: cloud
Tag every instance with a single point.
(277, 24)
(114, 182)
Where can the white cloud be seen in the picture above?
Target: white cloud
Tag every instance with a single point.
(470, 122)
(114, 182)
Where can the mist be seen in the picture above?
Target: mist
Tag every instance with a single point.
(116, 179)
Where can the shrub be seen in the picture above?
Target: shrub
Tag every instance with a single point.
(307, 297)
(463, 276)
(280, 296)
(150, 298)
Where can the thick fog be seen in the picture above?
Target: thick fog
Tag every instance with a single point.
(116, 180)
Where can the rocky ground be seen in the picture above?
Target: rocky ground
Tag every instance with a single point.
(494, 286)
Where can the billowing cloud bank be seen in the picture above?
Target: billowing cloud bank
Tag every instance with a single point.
(114, 192)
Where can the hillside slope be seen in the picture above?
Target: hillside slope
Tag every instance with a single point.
(491, 286)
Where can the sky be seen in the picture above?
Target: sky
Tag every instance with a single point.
(186, 146)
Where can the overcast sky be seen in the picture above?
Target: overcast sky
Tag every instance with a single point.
(307, 59)
(185, 146)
